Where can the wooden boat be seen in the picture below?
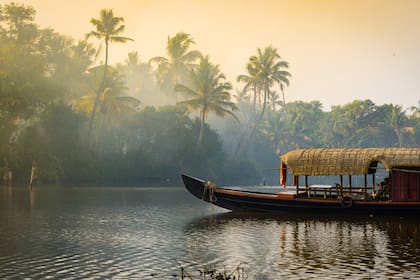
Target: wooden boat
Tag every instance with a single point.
(397, 193)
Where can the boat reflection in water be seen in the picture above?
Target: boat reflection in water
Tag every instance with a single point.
(301, 246)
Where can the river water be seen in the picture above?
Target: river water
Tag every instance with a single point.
(161, 233)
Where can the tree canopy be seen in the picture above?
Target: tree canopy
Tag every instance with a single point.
(50, 85)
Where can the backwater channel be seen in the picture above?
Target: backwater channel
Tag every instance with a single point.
(59, 232)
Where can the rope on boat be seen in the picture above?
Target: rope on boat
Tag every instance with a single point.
(209, 189)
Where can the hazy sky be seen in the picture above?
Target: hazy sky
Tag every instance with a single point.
(338, 50)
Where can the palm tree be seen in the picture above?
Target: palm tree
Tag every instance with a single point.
(133, 59)
(251, 82)
(265, 69)
(112, 101)
(415, 123)
(397, 119)
(242, 97)
(108, 30)
(274, 100)
(208, 93)
(140, 79)
(269, 70)
(416, 110)
(273, 128)
(173, 69)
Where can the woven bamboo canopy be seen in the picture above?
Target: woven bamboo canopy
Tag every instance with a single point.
(349, 161)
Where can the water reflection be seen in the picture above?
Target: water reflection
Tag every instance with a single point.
(32, 196)
(301, 246)
(148, 233)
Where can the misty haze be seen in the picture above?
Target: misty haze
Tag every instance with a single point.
(94, 114)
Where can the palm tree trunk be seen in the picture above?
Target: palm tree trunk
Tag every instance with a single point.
(284, 99)
(244, 141)
(266, 91)
(202, 125)
(273, 102)
(399, 137)
(174, 83)
(98, 93)
(255, 98)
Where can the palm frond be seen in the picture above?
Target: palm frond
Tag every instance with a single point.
(119, 39)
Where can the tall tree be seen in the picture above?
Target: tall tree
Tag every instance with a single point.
(415, 123)
(353, 124)
(208, 93)
(251, 82)
(301, 124)
(29, 59)
(113, 101)
(416, 110)
(265, 69)
(274, 100)
(397, 120)
(108, 30)
(241, 97)
(140, 80)
(269, 70)
(181, 59)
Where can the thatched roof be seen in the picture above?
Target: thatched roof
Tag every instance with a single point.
(318, 162)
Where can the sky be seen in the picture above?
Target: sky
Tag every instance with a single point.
(338, 50)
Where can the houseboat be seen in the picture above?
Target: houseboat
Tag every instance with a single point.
(360, 180)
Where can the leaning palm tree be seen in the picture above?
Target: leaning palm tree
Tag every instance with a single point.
(108, 30)
(208, 93)
(113, 102)
(173, 69)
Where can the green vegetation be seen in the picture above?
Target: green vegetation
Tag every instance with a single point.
(138, 123)
(176, 68)
(208, 93)
(108, 28)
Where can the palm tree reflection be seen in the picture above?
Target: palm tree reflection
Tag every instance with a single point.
(299, 246)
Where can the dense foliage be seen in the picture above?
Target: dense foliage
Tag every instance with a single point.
(146, 130)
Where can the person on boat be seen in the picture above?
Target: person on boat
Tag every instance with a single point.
(383, 190)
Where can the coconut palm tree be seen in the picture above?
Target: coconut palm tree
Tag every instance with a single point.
(112, 101)
(108, 30)
(397, 120)
(265, 69)
(273, 128)
(251, 83)
(133, 59)
(175, 68)
(208, 93)
(269, 70)
(242, 97)
(274, 100)
(416, 110)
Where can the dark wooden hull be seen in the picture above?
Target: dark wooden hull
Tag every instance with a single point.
(236, 200)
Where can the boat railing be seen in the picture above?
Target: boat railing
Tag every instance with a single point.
(335, 191)
(325, 190)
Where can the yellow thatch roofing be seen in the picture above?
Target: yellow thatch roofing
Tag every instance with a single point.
(318, 162)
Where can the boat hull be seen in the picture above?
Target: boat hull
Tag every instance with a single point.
(236, 200)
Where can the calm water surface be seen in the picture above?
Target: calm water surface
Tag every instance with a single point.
(150, 233)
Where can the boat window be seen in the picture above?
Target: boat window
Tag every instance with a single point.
(381, 173)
